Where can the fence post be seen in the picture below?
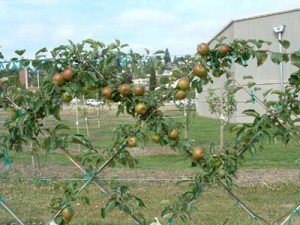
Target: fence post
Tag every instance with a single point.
(85, 116)
(186, 114)
(98, 113)
(77, 121)
(221, 119)
(38, 79)
(32, 156)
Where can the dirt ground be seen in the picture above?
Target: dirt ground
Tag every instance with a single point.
(245, 177)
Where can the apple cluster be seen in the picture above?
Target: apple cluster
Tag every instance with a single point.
(60, 79)
(200, 69)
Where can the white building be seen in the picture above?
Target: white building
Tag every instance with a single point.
(266, 76)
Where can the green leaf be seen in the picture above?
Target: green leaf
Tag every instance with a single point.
(123, 189)
(251, 84)
(261, 57)
(247, 77)
(42, 50)
(165, 212)
(61, 127)
(256, 88)
(92, 76)
(111, 46)
(80, 139)
(286, 44)
(159, 52)
(111, 204)
(56, 114)
(267, 92)
(251, 112)
(20, 52)
(286, 57)
(140, 202)
(24, 63)
(277, 57)
(89, 41)
(236, 89)
(257, 43)
(295, 59)
(237, 127)
(86, 200)
(183, 217)
(124, 45)
(277, 92)
(128, 209)
(103, 214)
(73, 46)
(59, 220)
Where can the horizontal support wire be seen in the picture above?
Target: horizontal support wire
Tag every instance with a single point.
(100, 179)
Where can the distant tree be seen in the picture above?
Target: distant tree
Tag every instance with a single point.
(151, 66)
(167, 57)
(228, 99)
(150, 69)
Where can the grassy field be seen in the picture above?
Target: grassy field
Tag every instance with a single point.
(213, 207)
(203, 130)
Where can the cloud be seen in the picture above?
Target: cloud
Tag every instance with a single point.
(143, 18)
(174, 24)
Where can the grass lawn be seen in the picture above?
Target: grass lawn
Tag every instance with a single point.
(203, 130)
(213, 207)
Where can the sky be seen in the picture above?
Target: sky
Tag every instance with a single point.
(178, 25)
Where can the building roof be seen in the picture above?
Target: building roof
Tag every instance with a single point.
(250, 18)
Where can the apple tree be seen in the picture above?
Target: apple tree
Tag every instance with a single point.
(91, 66)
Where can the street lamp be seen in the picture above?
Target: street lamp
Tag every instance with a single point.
(279, 29)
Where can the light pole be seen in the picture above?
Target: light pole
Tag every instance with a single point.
(38, 79)
(279, 29)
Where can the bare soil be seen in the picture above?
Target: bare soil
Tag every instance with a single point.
(245, 177)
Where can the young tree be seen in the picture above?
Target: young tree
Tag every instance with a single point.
(167, 57)
(229, 103)
(151, 67)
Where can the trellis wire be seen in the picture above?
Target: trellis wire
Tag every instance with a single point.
(260, 102)
(247, 209)
(291, 214)
(97, 181)
(9, 210)
(102, 168)
(243, 206)
(287, 216)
